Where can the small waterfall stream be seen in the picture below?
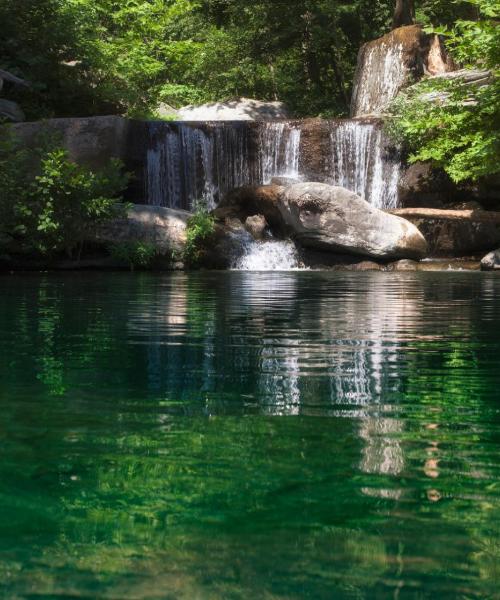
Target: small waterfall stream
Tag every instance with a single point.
(362, 163)
(279, 150)
(268, 256)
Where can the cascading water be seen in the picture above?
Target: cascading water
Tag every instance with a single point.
(360, 162)
(269, 255)
(279, 149)
(187, 163)
(381, 73)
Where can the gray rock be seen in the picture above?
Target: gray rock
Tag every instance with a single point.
(329, 217)
(491, 262)
(241, 109)
(163, 228)
(11, 111)
(256, 226)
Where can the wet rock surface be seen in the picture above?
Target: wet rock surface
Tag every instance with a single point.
(491, 262)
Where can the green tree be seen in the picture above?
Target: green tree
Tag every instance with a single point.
(461, 131)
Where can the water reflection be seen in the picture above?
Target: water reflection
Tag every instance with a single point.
(127, 462)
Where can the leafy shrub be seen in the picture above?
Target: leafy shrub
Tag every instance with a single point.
(200, 229)
(49, 204)
(135, 254)
(458, 130)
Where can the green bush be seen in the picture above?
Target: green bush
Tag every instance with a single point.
(49, 204)
(460, 132)
(200, 229)
(135, 254)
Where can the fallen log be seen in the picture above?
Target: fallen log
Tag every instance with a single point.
(436, 214)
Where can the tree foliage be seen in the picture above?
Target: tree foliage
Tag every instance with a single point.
(48, 203)
(460, 131)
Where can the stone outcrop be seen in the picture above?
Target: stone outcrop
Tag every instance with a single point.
(452, 233)
(328, 217)
(241, 109)
(253, 200)
(256, 226)
(163, 228)
(421, 185)
(90, 141)
(387, 65)
(11, 111)
(491, 262)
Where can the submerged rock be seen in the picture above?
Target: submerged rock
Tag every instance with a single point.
(333, 218)
(491, 262)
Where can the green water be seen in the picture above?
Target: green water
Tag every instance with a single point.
(243, 435)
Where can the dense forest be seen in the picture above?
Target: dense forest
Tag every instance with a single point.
(87, 57)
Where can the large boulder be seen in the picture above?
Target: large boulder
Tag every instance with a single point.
(333, 218)
(162, 228)
(241, 109)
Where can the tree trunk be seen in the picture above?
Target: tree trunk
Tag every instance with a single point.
(404, 13)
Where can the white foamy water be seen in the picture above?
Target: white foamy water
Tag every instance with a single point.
(268, 256)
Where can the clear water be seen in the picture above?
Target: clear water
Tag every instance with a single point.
(242, 435)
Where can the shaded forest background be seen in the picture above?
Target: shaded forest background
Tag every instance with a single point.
(87, 57)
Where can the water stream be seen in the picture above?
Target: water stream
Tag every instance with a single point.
(203, 161)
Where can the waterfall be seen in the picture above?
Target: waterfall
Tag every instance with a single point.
(186, 163)
(272, 255)
(381, 73)
(279, 149)
(191, 162)
(360, 162)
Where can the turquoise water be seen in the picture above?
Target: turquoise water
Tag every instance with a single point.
(244, 435)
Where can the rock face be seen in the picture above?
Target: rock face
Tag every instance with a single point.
(332, 218)
(163, 228)
(242, 109)
(253, 200)
(91, 141)
(256, 226)
(491, 262)
(421, 185)
(455, 233)
(387, 65)
(11, 111)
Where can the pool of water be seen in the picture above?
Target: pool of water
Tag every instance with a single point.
(244, 435)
